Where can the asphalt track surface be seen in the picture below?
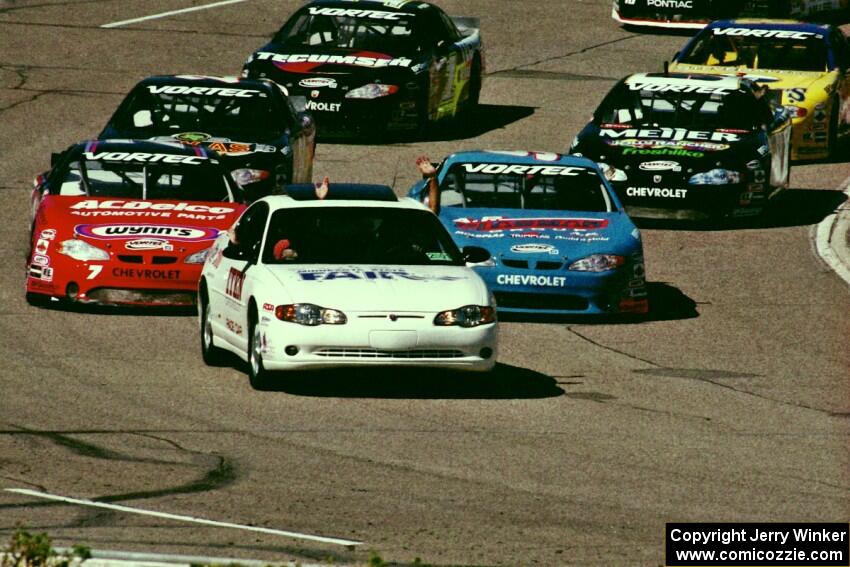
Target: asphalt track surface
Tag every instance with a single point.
(730, 404)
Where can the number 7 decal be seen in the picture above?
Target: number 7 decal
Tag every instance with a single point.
(94, 270)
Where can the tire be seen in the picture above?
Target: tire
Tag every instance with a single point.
(212, 355)
(257, 374)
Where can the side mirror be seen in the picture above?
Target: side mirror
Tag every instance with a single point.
(475, 255)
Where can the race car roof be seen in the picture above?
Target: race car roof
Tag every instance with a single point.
(342, 192)
(379, 5)
(130, 147)
(207, 81)
(519, 157)
(685, 79)
(287, 201)
(766, 24)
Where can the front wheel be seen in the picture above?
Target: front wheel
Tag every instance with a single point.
(212, 355)
(257, 374)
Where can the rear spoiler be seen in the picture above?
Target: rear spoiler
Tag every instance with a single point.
(466, 23)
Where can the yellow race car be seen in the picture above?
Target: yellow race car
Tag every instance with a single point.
(807, 65)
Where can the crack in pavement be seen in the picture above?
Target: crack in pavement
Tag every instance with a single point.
(564, 56)
(134, 29)
(689, 374)
(48, 5)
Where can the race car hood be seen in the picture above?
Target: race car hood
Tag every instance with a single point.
(125, 225)
(540, 235)
(775, 80)
(357, 288)
(619, 143)
(345, 67)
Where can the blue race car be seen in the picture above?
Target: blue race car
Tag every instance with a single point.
(558, 237)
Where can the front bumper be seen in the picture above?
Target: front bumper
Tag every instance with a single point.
(377, 341)
(568, 293)
(810, 136)
(107, 283)
(694, 202)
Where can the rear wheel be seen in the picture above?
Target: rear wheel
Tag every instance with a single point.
(257, 374)
(212, 355)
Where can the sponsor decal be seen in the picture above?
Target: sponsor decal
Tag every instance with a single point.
(677, 4)
(506, 169)
(235, 280)
(660, 166)
(203, 91)
(488, 224)
(41, 260)
(328, 274)
(542, 281)
(41, 246)
(534, 249)
(671, 152)
(323, 106)
(534, 233)
(665, 192)
(152, 205)
(148, 244)
(268, 307)
(498, 234)
(668, 88)
(753, 164)
(318, 83)
(141, 157)
(192, 137)
(42, 273)
(370, 60)
(48, 234)
(779, 34)
(124, 231)
(674, 134)
(357, 13)
(147, 274)
(230, 148)
(582, 236)
(233, 326)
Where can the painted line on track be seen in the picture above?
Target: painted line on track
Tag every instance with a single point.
(171, 13)
(114, 558)
(180, 518)
(831, 237)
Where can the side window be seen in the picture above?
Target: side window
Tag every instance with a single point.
(451, 32)
(249, 231)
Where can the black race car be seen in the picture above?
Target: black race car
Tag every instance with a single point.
(689, 146)
(265, 136)
(695, 14)
(375, 65)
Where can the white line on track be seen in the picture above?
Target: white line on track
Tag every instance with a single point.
(831, 234)
(171, 13)
(180, 518)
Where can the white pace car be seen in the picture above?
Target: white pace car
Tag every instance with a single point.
(359, 277)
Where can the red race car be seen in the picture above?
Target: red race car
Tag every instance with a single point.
(127, 223)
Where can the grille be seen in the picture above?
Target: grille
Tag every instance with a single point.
(549, 265)
(372, 353)
(139, 259)
(541, 301)
(164, 259)
(522, 264)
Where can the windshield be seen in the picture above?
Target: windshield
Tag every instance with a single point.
(167, 110)
(186, 182)
(505, 186)
(657, 107)
(742, 47)
(370, 30)
(361, 235)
